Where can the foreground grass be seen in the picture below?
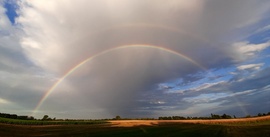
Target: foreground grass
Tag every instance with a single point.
(159, 130)
(162, 129)
(101, 131)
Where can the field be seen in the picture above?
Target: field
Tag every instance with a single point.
(248, 127)
(55, 122)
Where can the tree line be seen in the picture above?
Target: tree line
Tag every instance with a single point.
(212, 116)
(14, 116)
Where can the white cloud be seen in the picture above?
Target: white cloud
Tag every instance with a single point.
(4, 21)
(206, 85)
(265, 28)
(250, 66)
(204, 98)
(247, 50)
(197, 88)
(157, 102)
(8, 33)
(208, 97)
(250, 49)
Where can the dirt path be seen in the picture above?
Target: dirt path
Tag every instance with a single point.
(131, 123)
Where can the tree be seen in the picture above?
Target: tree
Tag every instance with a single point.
(30, 118)
(23, 117)
(215, 116)
(45, 117)
(224, 116)
(117, 117)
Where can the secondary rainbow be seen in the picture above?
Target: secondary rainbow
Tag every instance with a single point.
(155, 27)
(51, 89)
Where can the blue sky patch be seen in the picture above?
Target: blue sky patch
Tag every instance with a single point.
(11, 7)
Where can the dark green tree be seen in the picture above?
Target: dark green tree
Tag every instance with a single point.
(224, 116)
(117, 117)
(215, 116)
(45, 117)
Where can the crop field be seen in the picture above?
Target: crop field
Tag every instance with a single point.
(249, 127)
(55, 122)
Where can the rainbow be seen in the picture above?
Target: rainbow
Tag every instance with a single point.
(51, 89)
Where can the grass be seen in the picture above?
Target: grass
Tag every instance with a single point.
(86, 128)
(168, 130)
(101, 131)
(248, 123)
(40, 122)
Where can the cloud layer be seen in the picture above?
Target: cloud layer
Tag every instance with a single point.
(50, 39)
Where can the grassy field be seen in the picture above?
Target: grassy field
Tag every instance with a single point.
(55, 122)
(140, 128)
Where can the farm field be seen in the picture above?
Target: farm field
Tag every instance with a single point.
(249, 127)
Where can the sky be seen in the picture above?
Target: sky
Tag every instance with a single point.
(96, 59)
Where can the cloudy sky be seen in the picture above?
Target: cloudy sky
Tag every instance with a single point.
(134, 58)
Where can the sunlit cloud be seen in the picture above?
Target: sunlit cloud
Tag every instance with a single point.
(248, 50)
(3, 101)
